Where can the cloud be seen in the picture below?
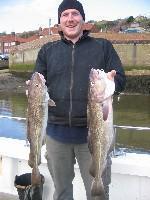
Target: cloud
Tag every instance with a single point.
(29, 16)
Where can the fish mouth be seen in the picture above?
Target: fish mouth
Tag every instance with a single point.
(39, 77)
(94, 74)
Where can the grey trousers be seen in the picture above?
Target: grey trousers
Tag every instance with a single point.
(61, 160)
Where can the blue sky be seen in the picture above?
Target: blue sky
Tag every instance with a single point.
(25, 15)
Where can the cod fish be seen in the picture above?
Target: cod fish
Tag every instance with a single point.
(37, 114)
(100, 126)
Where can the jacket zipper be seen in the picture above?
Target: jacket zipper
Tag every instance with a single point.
(71, 86)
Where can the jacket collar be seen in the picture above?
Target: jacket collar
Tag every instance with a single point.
(85, 35)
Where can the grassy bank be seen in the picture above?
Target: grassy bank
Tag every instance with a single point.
(22, 70)
(26, 68)
(136, 68)
(30, 66)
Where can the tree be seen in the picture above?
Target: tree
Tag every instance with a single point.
(26, 34)
(130, 19)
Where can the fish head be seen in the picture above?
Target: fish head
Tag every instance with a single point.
(97, 83)
(101, 86)
(37, 85)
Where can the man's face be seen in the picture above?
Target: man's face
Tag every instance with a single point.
(71, 24)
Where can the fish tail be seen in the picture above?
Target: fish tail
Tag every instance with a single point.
(36, 176)
(97, 188)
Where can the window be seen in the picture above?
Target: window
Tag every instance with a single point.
(13, 43)
(6, 44)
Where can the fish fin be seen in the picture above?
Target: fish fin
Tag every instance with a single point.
(36, 176)
(51, 102)
(112, 144)
(105, 111)
(92, 170)
(28, 129)
(90, 144)
(31, 160)
(88, 116)
(34, 158)
(97, 188)
(44, 139)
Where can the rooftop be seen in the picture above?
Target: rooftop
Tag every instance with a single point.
(113, 37)
(11, 38)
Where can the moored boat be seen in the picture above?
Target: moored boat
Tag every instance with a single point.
(130, 171)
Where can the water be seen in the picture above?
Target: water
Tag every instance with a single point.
(131, 110)
(12, 128)
(13, 105)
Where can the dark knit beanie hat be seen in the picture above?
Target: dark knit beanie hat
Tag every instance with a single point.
(70, 4)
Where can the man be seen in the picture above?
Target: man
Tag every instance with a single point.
(66, 65)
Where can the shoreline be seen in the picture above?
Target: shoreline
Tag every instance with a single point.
(137, 82)
(11, 83)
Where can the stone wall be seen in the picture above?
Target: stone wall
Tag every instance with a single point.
(134, 54)
(130, 55)
(23, 57)
(133, 51)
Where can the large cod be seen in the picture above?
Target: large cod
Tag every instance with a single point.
(37, 114)
(100, 126)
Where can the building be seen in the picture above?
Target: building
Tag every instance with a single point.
(55, 29)
(91, 27)
(48, 31)
(7, 41)
(11, 40)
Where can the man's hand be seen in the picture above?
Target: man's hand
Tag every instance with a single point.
(111, 74)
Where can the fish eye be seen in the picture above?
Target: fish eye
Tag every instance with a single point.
(36, 85)
(92, 83)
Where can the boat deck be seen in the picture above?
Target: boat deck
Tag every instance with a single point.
(5, 196)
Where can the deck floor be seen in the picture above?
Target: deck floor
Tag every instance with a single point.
(4, 196)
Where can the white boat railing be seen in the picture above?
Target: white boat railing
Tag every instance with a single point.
(10, 117)
(115, 126)
(120, 151)
(132, 127)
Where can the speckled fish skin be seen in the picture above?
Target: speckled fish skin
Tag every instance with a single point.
(101, 134)
(37, 115)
